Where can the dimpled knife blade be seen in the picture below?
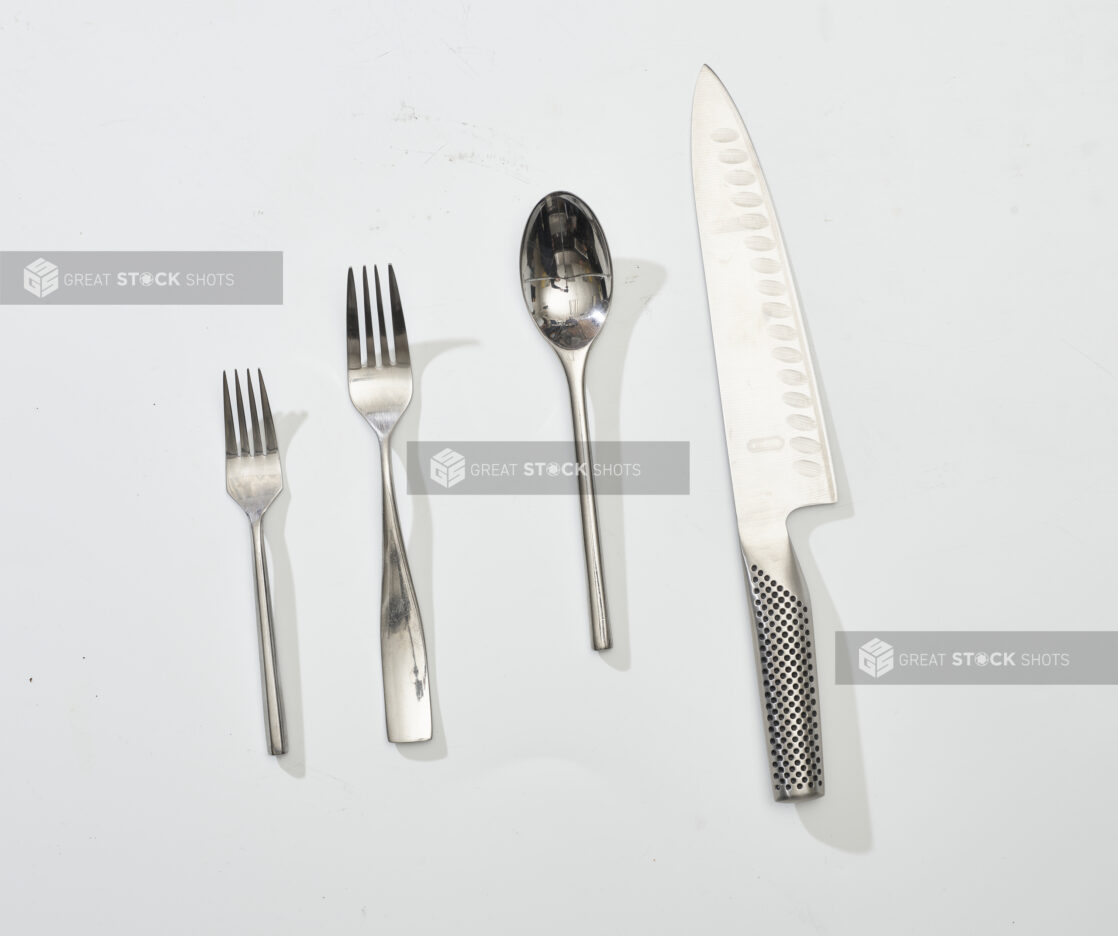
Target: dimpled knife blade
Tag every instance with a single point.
(777, 443)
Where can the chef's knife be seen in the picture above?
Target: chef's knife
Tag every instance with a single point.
(779, 457)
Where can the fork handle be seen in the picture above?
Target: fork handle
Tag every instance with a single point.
(403, 651)
(273, 700)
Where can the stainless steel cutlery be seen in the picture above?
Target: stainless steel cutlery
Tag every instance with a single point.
(775, 434)
(567, 278)
(380, 386)
(779, 456)
(254, 479)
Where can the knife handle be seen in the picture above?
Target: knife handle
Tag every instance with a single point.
(787, 670)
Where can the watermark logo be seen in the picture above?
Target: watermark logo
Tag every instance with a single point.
(976, 658)
(468, 467)
(142, 277)
(448, 468)
(40, 277)
(875, 657)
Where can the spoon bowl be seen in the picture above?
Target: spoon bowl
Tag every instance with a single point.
(566, 271)
(567, 277)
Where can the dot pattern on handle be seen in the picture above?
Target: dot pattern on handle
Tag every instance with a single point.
(785, 643)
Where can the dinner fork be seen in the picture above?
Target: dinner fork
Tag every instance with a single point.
(253, 479)
(380, 387)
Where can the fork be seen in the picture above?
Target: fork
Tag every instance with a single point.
(380, 387)
(253, 479)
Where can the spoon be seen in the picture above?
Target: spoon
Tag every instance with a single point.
(567, 277)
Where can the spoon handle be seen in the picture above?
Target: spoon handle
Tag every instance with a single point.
(575, 366)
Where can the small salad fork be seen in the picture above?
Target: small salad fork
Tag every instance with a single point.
(253, 479)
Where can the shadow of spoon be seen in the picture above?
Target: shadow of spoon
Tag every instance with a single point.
(635, 283)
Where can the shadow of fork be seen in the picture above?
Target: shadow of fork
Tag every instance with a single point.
(282, 581)
(420, 548)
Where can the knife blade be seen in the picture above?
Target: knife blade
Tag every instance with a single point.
(775, 435)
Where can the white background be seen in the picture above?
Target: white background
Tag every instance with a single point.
(944, 175)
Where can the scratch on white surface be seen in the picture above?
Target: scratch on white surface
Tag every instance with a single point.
(1071, 534)
(338, 780)
(457, 50)
(1097, 364)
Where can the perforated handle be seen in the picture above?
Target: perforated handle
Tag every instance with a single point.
(787, 671)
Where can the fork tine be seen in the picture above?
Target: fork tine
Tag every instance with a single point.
(370, 335)
(399, 331)
(269, 426)
(241, 415)
(230, 435)
(352, 329)
(257, 448)
(380, 322)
